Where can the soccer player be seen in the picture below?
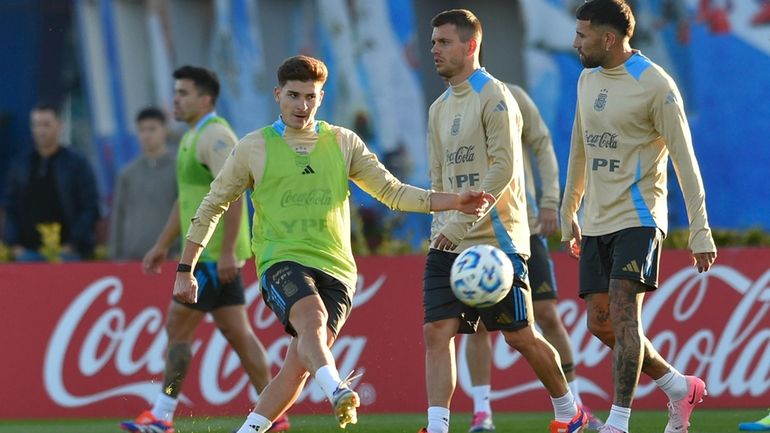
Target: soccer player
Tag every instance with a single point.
(543, 221)
(629, 119)
(299, 168)
(474, 141)
(201, 155)
(761, 425)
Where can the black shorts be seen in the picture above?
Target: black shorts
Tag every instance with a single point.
(629, 254)
(439, 302)
(540, 266)
(285, 283)
(211, 293)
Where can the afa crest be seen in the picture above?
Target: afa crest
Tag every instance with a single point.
(601, 100)
(456, 125)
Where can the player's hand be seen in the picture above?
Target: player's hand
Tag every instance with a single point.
(227, 268)
(475, 202)
(186, 288)
(703, 261)
(549, 221)
(153, 260)
(443, 243)
(573, 245)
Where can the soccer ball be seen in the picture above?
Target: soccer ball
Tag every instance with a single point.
(481, 276)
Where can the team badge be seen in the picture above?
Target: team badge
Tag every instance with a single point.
(601, 100)
(456, 125)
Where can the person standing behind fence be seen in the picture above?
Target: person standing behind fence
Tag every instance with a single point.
(145, 191)
(54, 187)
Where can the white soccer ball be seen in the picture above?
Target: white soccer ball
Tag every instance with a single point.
(481, 276)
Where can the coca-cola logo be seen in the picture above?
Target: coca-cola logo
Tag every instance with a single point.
(315, 197)
(460, 155)
(730, 353)
(605, 140)
(109, 342)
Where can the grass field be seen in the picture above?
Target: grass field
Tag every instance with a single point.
(704, 421)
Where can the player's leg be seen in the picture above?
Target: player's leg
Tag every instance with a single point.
(444, 317)
(313, 306)
(282, 391)
(620, 257)
(181, 322)
(440, 371)
(513, 316)
(478, 352)
(233, 322)
(544, 299)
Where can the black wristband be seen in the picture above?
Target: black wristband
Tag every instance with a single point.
(183, 267)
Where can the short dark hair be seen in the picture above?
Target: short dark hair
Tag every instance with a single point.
(468, 26)
(151, 113)
(302, 68)
(47, 106)
(614, 13)
(205, 80)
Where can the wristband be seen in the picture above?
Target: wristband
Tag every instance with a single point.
(182, 267)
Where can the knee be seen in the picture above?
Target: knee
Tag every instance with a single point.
(437, 335)
(311, 323)
(233, 334)
(547, 319)
(602, 331)
(177, 333)
(521, 339)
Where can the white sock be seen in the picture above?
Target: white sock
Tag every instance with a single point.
(573, 386)
(255, 423)
(328, 378)
(673, 384)
(564, 408)
(619, 417)
(438, 419)
(164, 407)
(480, 396)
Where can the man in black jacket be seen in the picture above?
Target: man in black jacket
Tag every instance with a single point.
(48, 185)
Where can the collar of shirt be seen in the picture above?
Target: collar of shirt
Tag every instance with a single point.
(202, 121)
(280, 126)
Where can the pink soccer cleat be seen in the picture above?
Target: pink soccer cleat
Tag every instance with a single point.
(679, 411)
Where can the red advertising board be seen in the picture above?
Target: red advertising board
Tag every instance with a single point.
(87, 339)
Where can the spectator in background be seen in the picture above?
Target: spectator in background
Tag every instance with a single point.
(50, 184)
(145, 191)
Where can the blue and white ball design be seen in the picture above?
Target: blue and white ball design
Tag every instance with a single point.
(481, 276)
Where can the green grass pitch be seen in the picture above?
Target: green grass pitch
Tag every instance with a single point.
(703, 421)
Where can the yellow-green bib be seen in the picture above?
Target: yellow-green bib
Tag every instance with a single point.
(194, 181)
(301, 210)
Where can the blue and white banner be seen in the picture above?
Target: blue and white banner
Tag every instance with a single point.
(237, 56)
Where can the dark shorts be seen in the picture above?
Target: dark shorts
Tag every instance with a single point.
(629, 254)
(439, 302)
(211, 293)
(541, 277)
(285, 283)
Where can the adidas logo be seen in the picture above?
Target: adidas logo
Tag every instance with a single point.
(501, 106)
(308, 170)
(631, 267)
